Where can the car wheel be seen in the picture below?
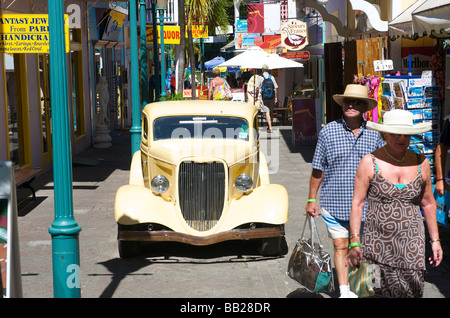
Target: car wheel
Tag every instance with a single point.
(128, 249)
(274, 246)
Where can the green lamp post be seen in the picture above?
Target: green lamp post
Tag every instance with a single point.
(144, 72)
(155, 51)
(64, 229)
(135, 129)
(162, 6)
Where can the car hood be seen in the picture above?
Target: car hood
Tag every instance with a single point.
(175, 151)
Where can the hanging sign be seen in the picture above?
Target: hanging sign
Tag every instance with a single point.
(198, 31)
(298, 56)
(27, 33)
(171, 34)
(294, 35)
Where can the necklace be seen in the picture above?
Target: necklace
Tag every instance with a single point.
(390, 156)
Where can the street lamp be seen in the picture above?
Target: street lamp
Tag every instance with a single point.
(162, 6)
(155, 51)
(143, 35)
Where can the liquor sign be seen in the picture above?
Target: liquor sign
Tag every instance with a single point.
(27, 33)
(171, 34)
(294, 35)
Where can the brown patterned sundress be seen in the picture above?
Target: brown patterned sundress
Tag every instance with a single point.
(394, 236)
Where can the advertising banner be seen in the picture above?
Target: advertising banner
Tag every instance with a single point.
(171, 34)
(27, 33)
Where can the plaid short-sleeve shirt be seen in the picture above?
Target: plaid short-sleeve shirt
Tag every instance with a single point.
(338, 153)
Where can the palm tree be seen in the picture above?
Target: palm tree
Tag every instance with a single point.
(182, 49)
(204, 12)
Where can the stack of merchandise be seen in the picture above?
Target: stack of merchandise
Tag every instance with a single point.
(412, 94)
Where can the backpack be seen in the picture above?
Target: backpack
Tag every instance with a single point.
(267, 88)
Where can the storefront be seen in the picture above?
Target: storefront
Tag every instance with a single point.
(24, 77)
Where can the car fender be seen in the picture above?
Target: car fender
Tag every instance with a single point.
(136, 175)
(266, 204)
(136, 204)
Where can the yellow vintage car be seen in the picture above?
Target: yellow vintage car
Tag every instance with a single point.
(199, 178)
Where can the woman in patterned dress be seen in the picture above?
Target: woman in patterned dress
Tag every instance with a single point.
(397, 184)
(218, 87)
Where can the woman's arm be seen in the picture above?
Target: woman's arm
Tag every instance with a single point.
(428, 205)
(363, 176)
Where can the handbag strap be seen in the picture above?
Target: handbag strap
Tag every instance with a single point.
(314, 230)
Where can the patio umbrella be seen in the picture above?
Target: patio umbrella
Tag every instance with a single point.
(273, 61)
(209, 65)
(255, 57)
(253, 53)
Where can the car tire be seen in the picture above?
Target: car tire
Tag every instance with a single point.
(274, 246)
(128, 249)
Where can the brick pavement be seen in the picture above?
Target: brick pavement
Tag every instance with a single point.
(187, 271)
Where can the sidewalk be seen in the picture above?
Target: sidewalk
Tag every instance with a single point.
(98, 173)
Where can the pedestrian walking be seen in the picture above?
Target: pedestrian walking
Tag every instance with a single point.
(397, 184)
(219, 89)
(267, 85)
(172, 83)
(252, 98)
(340, 147)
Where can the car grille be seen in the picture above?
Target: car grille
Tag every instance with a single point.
(201, 191)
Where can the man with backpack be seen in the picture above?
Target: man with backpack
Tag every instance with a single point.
(267, 85)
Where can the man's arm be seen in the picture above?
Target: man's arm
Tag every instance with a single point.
(312, 208)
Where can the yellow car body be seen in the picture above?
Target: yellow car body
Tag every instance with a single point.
(199, 149)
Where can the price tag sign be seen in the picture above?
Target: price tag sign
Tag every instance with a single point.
(383, 65)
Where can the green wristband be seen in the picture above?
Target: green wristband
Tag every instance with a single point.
(354, 245)
(312, 200)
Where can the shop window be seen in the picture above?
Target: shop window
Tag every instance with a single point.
(16, 100)
(77, 100)
(44, 102)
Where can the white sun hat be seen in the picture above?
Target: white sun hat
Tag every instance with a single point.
(398, 121)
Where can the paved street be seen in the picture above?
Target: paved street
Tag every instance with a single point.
(228, 270)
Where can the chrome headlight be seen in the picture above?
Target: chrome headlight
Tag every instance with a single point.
(160, 184)
(243, 182)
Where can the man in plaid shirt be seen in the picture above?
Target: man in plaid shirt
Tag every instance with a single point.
(340, 147)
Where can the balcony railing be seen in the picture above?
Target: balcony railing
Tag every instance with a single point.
(172, 12)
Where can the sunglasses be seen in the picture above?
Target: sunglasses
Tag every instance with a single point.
(355, 102)
(399, 135)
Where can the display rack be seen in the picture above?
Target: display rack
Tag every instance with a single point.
(417, 95)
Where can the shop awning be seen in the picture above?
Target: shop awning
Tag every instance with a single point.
(401, 25)
(432, 18)
(228, 47)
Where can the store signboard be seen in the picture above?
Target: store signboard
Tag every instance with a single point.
(112, 26)
(297, 55)
(294, 35)
(171, 34)
(198, 31)
(27, 33)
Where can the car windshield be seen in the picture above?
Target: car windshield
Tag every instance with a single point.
(219, 127)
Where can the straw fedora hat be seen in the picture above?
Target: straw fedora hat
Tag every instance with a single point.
(398, 121)
(356, 91)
